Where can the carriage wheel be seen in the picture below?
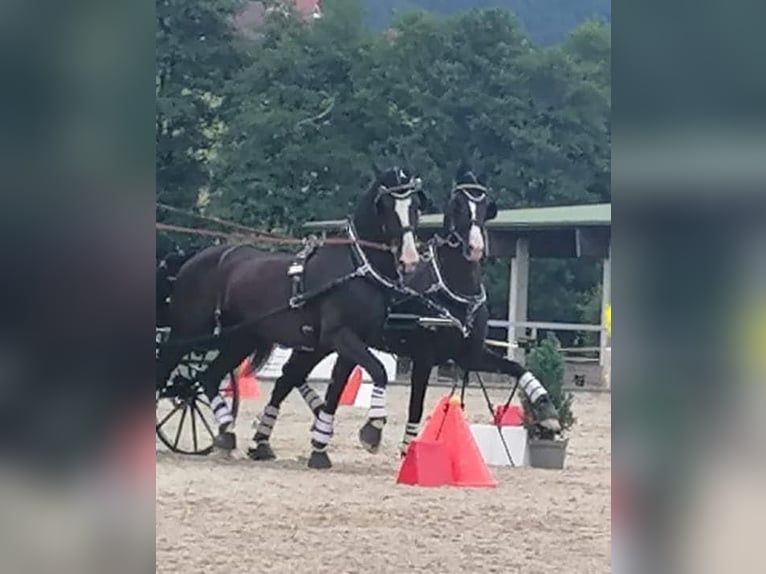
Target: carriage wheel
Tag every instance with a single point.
(184, 418)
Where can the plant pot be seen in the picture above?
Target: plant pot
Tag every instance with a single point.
(545, 453)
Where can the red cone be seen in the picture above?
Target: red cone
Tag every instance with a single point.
(426, 464)
(447, 426)
(246, 382)
(468, 466)
(436, 420)
(509, 416)
(348, 397)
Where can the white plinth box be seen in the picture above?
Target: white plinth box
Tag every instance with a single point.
(272, 369)
(491, 446)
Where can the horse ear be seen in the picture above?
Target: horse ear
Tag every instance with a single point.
(426, 204)
(462, 168)
(491, 210)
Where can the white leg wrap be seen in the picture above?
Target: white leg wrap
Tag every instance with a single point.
(378, 403)
(532, 387)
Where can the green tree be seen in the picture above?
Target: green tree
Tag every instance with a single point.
(196, 54)
(291, 150)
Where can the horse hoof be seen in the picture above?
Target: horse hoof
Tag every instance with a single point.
(262, 451)
(319, 460)
(225, 441)
(371, 435)
(551, 425)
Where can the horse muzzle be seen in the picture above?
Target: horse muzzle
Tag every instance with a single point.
(409, 256)
(475, 254)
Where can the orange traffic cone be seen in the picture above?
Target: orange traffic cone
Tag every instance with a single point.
(435, 421)
(426, 464)
(246, 381)
(509, 416)
(348, 397)
(448, 427)
(468, 466)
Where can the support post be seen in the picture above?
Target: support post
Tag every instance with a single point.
(517, 297)
(605, 354)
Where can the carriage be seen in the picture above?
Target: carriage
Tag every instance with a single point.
(184, 416)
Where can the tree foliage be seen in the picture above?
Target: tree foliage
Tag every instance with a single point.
(196, 54)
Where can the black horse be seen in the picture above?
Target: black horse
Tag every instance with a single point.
(450, 278)
(333, 299)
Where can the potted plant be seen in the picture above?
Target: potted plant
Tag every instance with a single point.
(546, 450)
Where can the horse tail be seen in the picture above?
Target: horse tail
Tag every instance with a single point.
(261, 355)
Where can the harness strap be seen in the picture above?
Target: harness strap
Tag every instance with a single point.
(217, 312)
(296, 269)
(473, 302)
(365, 269)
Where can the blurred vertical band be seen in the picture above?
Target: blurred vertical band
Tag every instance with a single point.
(76, 276)
(688, 186)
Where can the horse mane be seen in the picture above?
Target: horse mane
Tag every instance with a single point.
(366, 218)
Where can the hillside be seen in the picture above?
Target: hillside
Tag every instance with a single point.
(544, 21)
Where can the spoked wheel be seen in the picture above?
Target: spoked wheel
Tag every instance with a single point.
(184, 421)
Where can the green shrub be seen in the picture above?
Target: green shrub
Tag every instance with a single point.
(547, 363)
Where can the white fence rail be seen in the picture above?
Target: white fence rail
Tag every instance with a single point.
(546, 325)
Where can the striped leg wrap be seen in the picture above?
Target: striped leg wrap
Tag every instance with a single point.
(221, 411)
(378, 403)
(266, 424)
(313, 400)
(532, 387)
(410, 433)
(322, 430)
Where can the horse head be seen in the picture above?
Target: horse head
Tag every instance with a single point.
(390, 213)
(468, 210)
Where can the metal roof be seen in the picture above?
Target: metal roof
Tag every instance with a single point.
(561, 216)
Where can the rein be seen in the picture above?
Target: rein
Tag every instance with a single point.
(253, 235)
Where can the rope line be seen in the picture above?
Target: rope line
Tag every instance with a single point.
(251, 234)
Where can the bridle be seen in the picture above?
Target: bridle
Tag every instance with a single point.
(474, 193)
(399, 192)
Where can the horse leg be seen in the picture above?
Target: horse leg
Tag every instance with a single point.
(542, 407)
(296, 369)
(167, 361)
(421, 372)
(354, 352)
(229, 358)
(323, 427)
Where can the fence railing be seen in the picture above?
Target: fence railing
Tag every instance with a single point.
(549, 326)
(533, 326)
